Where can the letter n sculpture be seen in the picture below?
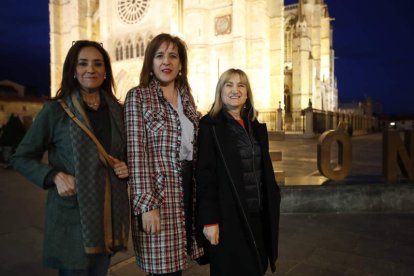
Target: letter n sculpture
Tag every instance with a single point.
(397, 152)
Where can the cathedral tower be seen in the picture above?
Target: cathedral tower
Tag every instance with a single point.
(309, 71)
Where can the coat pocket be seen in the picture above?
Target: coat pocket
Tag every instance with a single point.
(154, 121)
(67, 210)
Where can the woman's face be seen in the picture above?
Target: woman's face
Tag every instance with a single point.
(90, 69)
(166, 64)
(234, 93)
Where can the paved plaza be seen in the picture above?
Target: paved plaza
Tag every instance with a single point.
(316, 243)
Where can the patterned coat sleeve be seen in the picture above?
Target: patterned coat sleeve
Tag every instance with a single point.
(144, 194)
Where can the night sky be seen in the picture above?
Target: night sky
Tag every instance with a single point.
(373, 43)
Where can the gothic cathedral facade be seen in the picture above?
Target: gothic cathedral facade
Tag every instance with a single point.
(286, 50)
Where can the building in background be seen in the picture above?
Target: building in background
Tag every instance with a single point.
(309, 79)
(18, 108)
(13, 100)
(401, 122)
(367, 107)
(286, 50)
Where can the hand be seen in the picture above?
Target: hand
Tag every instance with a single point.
(211, 233)
(120, 168)
(65, 184)
(151, 222)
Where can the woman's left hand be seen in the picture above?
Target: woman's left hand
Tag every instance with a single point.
(211, 232)
(120, 168)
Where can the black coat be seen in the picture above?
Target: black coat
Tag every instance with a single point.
(222, 200)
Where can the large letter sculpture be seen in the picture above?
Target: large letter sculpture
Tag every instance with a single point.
(344, 153)
(395, 151)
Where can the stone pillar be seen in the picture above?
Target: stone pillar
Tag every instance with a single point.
(309, 122)
(279, 119)
(335, 120)
(352, 121)
(327, 121)
(358, 120)
(365, 122)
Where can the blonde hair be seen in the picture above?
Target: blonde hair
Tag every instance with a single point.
(218, 105)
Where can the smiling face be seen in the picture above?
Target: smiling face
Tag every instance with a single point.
(234, 94)
(90, 69)
(166, 64)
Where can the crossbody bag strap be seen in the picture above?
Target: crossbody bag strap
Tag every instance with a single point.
(101, 149)
(239, 203)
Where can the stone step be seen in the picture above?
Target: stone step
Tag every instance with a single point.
(276, 135)
(280, 177)
(275, 156)
(358, 196)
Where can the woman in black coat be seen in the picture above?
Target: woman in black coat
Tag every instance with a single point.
(238, 198)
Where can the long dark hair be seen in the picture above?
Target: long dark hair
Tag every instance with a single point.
(155, 43)
(70, 84)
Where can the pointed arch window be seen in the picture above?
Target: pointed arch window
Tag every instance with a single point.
(118, 52)
(129, 50)
(137, 47)
(140, 47)
(288, 43)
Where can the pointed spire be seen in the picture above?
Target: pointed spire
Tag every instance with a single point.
(301, 26)
(301, 11)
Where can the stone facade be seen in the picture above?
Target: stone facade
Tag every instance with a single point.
(246, 34)
(13, 101)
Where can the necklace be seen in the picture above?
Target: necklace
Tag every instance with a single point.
(91, 100)
(92, 105)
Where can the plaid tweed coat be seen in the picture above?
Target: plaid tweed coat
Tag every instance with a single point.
(153, 148)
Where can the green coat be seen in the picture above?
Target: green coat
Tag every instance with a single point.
(63, 245)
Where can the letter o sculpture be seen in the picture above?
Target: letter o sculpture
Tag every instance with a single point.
(344, 154)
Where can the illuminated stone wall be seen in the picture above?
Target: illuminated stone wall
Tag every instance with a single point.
(246, 34)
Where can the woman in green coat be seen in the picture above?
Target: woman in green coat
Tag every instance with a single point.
(87, 213)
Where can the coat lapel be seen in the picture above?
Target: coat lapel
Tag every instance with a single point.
(232, 157)
(261, 135)
(118, 135)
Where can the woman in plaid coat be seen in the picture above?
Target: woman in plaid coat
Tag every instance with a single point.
(161, 125)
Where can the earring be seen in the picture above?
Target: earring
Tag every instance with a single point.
(105, 76)
(151, 73)
(180, 74)
(74, 76)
